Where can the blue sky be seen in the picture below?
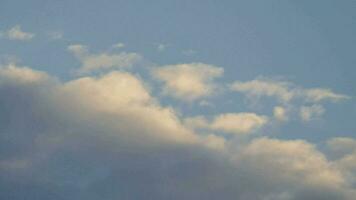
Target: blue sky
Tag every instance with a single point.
(229, 75)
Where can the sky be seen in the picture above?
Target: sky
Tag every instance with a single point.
(168, 99)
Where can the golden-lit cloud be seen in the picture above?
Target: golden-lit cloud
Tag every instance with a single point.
(188, 81)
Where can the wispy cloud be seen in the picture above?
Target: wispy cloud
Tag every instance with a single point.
(16, 33)
(290, 96)
(162, 47)
(104, 60)
(188, 81)
(285, 91)
(119, 45)
(233, 123)
(308, 113)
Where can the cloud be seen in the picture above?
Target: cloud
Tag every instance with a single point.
(344, 150)
(107, 137)
(188, 81)
(161, 47)
(233, 123)
(285, 91)
(21, 74)
(119, 45)
(265, 87)
(343, 145)
(296, 167)
(16, 33)
(102, 61)
(290, 96)
(238, 123)
(308, 113)
(320, 94)
(280, 113)
(197, 122)
(295, 160)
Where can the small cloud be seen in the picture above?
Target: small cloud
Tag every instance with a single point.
(105, 60)
(320, 94)
(16, 33)
(118, 45)
(308, 113)
(233, 123)
(280, 113)
(284, 91)
(238, 123)
(162, 47)
(188, 81)
(261, 87)
(21, 74)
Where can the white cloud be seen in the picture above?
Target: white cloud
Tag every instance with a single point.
(285, 91)
(11, 72)
(162, 47)
(238, 123)
(344, 148)
(119, 45)
(289, 96)
(320, 94)
(16, 33)
(188, 81)
(308, 113)
(83, 138)
(233, 123)
(293, 163)
(101, 61)
(265, 87)
(125, 97)
(280, 113)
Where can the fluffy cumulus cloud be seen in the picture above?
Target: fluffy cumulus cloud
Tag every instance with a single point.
(188, 81)
(296, 167)
(106, 137)
(16, 33)
(101, 61)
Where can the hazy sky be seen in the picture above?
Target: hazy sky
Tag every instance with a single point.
(170, 99)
